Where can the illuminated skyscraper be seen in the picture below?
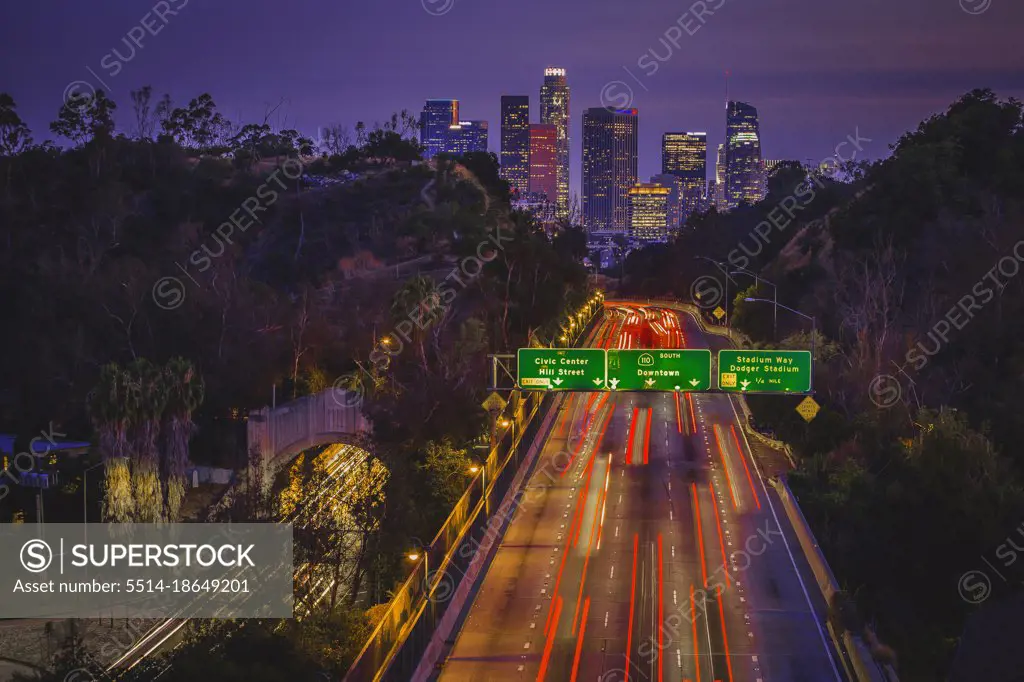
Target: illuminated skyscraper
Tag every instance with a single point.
(437, 116)
(648, 209)
(744, 174)
(685, 155)
(674, 209)
(543, 185)
(720, 178)
(609, 168)
(554, 109)
(465, 137)
(515, 142)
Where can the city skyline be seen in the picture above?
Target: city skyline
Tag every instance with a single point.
(803, 117)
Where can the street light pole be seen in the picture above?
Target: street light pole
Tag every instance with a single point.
(717, 264)
(775, 297)
(814, 327)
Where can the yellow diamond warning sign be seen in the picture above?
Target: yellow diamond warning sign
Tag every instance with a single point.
(808, 408)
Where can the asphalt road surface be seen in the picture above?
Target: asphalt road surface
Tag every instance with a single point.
(647, 547)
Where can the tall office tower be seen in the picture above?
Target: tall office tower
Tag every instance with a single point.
(465, 137)
(648, 209)
(554, 109)
(437, 116)
(515, 142)
(720, 178)
(686, 156)
(674, 210)
(744, 174)
(543, 184)
(609, 169)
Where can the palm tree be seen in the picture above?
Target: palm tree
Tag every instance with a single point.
(152, 399)
(185, 392)
(108, 408)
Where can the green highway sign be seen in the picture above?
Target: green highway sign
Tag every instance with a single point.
(659, 370)
(574, 369)
(777, 371)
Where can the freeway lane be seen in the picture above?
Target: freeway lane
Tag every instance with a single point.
(774, 590)
(645, 548)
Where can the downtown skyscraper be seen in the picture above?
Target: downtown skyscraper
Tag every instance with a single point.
(719, 193)
(674, 213)
(437, 117)
(515, 142)
(465, 137)
(648, 212)
(685, 155)
(744, 172)
(554, 110)
(543, 185)
(609, 169)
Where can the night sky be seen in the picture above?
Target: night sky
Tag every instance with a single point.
(817, 70)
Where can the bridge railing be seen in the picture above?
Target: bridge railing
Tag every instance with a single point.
(399, 639)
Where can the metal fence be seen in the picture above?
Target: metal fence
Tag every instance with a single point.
(397, 645)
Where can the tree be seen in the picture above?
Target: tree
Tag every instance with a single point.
(81, 123)
(145, 120)
(153, 396)
(335, 139)
(249, 142)
(163, 111)
(15, 136)
(402, 123)
(199, 126)
(185, 393)
(386, 144)
(109, 406)
(446, 472)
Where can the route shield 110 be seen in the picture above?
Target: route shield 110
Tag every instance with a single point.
(661, 369)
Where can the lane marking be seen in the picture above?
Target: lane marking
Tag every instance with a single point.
(693, 621)
(725, 638)
(725, 465)
(579, 642)
(661, 612)
(721, 538)
(550, 643)
(700, 535)
(632, 605)
(629, 438)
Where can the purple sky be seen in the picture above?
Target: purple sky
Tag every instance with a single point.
(817, 70)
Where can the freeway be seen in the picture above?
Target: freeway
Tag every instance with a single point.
(647, 546)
